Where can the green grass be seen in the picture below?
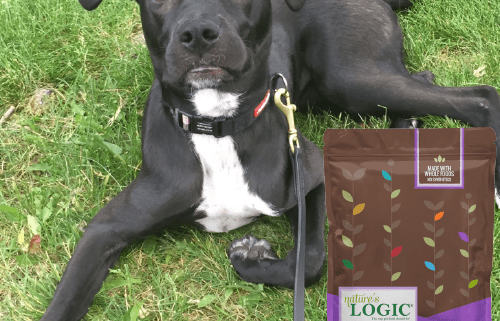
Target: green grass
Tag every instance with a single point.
(62, 160)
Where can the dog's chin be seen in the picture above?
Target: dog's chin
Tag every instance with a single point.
(206, 77)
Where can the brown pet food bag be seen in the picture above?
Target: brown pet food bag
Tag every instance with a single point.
(411, 223)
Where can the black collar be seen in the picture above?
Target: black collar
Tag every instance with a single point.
(219, 126)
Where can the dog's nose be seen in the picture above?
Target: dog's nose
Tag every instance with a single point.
(199, 36)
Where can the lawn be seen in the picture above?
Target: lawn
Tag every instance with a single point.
(79, 82)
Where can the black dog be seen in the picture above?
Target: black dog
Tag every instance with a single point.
(216, 157)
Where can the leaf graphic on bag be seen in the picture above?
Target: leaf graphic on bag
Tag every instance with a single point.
(386, 175)
(359, 173)
(429, 205)
(464, 275)
(357, 229)
(430, 303)
(359, 249)
(429, 227)
(358, 209)
(473, 283)
(387, 267)
(439, 289)
(347, 225)
(439, 232)
(395, 252)
(438, 216)
(347, 264)
(439, 206)
(471, 243)
(395, 207)
(472, 208)
(439, 254)
(395, 224)
(464, 253)
(463, 236)
(357, 275)
(347, 174)
(464, 292)
(429, 265)
(472, 221)
(439, 274)
(387, 242)
(347, 196)
(395, 193)
(464, 206)
(347, 241)
(429, 241)
(387, 187)
(430, 285)
(395, 276)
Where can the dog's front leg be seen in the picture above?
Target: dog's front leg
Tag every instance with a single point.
(144, 207)
(255, 262)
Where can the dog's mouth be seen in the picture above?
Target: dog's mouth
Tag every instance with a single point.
(206, 76)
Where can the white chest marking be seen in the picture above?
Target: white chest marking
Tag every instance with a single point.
(227, 200)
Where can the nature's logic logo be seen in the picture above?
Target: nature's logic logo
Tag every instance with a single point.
(371, 303)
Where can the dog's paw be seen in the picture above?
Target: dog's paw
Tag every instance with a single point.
(249, 247)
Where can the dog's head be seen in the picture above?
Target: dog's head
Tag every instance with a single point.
(197, 44)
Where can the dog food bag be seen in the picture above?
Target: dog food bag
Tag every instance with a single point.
(410, 216)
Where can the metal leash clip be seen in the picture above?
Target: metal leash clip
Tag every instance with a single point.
(298, 173)
(287, 109)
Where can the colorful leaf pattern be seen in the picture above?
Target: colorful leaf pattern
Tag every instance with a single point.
(431, 242)
(350, 226)
(348, 264)
(430, 266)
(389, 228)
(395, 276)
(358, 209)
(395, 251)
(347, 196)
(386, 175)
(469, 209)
(347, 241)
(463, 236)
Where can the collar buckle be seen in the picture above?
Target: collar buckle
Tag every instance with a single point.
(200, 125)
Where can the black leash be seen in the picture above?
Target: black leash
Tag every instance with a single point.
(221, 126)
(298, 172)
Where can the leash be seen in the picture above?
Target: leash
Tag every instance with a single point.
(298, 172)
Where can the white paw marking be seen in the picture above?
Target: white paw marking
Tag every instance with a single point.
(497, 197)
(252, 248)
(226, 198)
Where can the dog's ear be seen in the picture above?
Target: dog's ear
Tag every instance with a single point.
(90, 4)
(294, 5)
